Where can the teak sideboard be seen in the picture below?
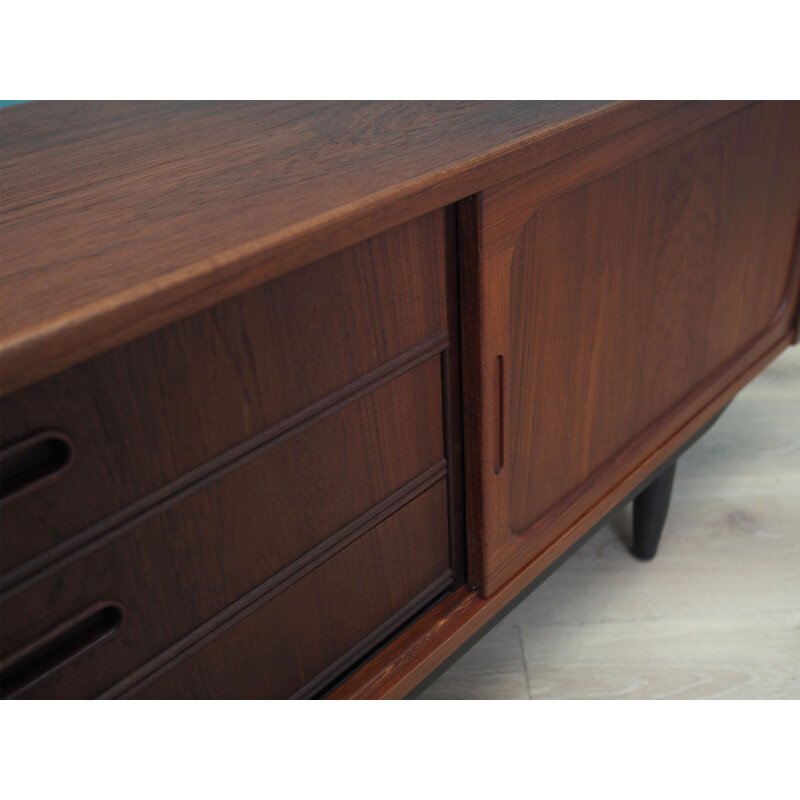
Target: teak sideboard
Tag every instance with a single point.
(297, 398)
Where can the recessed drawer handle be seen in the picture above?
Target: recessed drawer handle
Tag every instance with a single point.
(59, 646)
(34, 462)
(500, 430)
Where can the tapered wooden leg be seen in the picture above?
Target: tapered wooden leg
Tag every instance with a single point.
(650, 513)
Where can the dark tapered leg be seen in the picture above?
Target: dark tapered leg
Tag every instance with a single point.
(650, 513)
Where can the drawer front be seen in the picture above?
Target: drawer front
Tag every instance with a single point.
(302, 639)
(258, 524)
(85, 444)
(624, 293)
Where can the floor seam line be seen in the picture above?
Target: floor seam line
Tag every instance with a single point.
(524, 661)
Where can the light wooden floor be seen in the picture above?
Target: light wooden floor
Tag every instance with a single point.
(715, 615)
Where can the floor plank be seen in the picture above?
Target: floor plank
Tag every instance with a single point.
(715, 615)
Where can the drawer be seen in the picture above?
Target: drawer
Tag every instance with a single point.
(98, 439)
(259, 523)
(298, 642)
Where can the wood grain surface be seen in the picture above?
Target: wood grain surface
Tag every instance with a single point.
(257, 525)
(623, 269)
(282, 647)
(614, 313)
(118, 218)
(148, 413)
(657, 306)
(436, 635)
(715, 615)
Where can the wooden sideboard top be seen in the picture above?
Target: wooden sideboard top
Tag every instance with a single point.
(120, 217)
